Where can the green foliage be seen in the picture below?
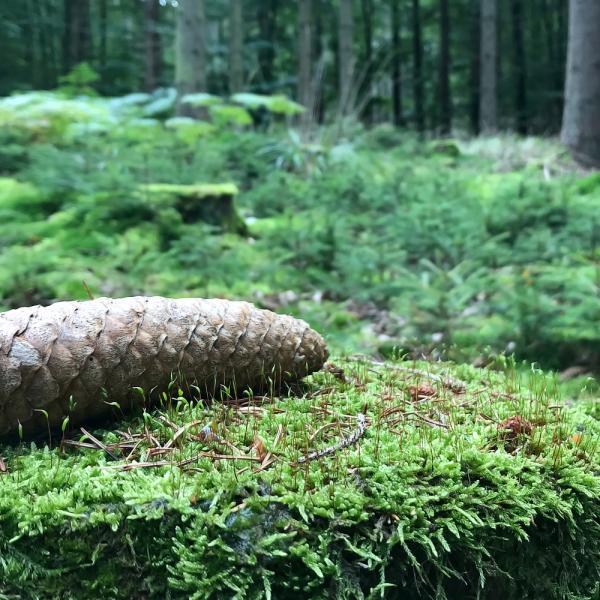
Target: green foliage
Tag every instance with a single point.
(445, 255)
(79, 81)
(200, 99)
(433, 502)
(277, 104)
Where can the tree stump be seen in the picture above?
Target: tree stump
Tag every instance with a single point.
(213, 204)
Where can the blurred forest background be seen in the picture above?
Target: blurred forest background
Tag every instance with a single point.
(427, 64)
(390, 170)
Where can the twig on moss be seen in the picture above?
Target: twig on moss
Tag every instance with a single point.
(361, 426)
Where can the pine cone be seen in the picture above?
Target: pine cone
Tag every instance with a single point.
(75, 358)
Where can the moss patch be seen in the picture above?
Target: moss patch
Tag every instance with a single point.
(444, 496)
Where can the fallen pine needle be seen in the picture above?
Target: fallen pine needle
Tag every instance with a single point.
(181, 463)
(98, 443)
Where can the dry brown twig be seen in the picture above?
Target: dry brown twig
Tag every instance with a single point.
(361, 426)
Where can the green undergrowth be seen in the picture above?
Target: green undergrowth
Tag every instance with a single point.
(453, 249)
(490, 490)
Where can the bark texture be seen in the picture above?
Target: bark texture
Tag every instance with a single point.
(74, 358)
(581, 119)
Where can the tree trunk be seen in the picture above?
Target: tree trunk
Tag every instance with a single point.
(474, 83)
(41, 20)
(396, 24)
(76, 35)
(418, 92)
(346, 55)
(190, 53)
(305, 56)
(519, 67)
(103, 36)
(66, 38)
(236, 48)
(29, 40)
(321, 15)
(581, 118)
(488, 78)
(267, 22)
(367, 86)
(152, 45)
(444, 85)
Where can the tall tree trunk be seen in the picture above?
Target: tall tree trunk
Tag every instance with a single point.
(29, 40)
(320, 16)
(305, 55)
(581, 118)
(267, 23)
(519, 67)
(562, 10)
(444, 84)
(66, 37)
(397, 64)
(488, 78)
(80, 32)
(77, 34)
(152, 45)
(41, 24)
(474, 80)
(190, 53)
(346, 55)
(367, 86)
(103, 18)
(418, 90)
(236, 48)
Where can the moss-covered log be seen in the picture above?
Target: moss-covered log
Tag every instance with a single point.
(441, 496)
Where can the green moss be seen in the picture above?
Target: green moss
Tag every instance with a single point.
(589, 184)
(196, 191)
(16, 194)
(433, 502)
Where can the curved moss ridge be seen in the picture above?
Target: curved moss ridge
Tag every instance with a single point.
(434, 501)
(198, 190)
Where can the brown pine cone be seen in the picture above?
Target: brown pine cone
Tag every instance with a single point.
(75, 358)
